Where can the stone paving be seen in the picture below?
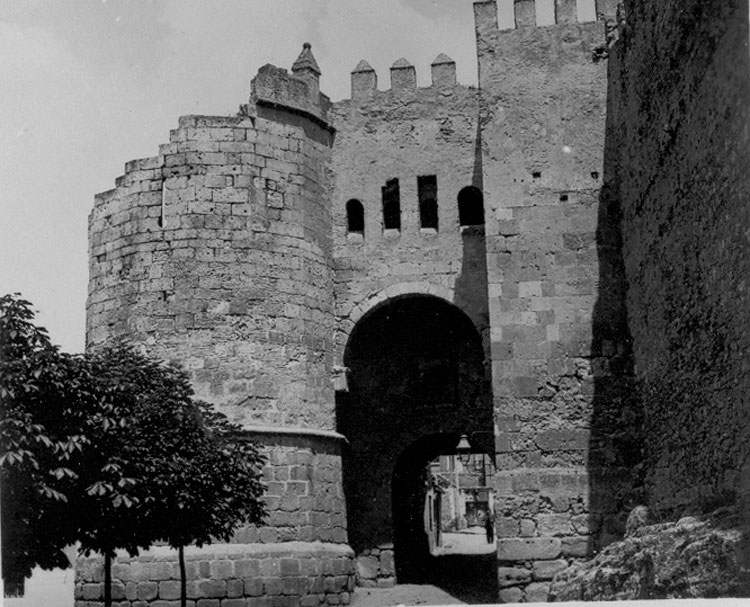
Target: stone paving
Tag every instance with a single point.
(403, 594)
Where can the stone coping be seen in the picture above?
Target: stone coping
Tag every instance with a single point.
(292, 431)
(233, 551)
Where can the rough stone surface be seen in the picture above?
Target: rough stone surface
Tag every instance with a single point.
(687, 559)
(546, 570)
(562, 384)
(682, 184)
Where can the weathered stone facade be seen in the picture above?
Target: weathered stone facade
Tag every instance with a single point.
(682, 103)
(361, 282)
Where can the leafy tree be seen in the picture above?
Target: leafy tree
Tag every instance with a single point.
(110, 450)
(142, 403)
(41, 442)
(213, 484)
(170, 469)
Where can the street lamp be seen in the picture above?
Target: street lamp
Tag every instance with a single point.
(464, 450)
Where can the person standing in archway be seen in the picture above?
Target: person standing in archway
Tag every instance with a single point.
(481, 517)
(489, 526)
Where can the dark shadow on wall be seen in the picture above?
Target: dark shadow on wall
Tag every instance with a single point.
(686, 253)
(616, 454)
(471, 291)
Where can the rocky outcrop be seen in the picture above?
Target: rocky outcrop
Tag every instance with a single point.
(693, 557)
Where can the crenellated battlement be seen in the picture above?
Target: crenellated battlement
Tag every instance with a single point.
(516, 14)
(403, 77)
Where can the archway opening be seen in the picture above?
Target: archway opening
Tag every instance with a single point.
(416, 383)
(470, 206)
(355, 217)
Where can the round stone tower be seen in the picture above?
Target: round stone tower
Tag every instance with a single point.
(216, 254)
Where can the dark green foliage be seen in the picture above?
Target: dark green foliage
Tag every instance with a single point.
(41, 442)
(109, 449)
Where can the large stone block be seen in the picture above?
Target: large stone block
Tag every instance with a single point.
(212, 588)
(235, 588)
(387, 565)
(290, 567)
(537, 592)
(294, 586)
(367, 567)
(510, 595)
(222, 569)
(512, 576)
(576, 546)
(247, 568)
(92, 591)
(163, 570)
(253, 587)
(169, 590)
(546, 570)
(554, 524)
(528, 549)
(507, 527)
(148, 591)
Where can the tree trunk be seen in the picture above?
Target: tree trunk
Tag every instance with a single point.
(107, 578)
(183, 581)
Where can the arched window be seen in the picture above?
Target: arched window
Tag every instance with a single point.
(391, 205)
(470, 206)
(428, 208)
(355, 217)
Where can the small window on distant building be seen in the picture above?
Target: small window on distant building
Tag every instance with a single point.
(355, 217)
(391, 205)
(470, 206)
(428, 208)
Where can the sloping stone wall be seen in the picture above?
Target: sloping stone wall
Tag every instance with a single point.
(683, 115)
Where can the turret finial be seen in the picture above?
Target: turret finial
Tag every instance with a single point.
(306, 61)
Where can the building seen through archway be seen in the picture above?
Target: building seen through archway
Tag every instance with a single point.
(459, 509)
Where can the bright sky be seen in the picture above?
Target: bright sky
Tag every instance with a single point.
(90, 84)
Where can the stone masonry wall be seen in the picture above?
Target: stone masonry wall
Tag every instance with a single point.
(216, 254)
(304, 496)
(297, 558)
(684, 86)
(559, 343)
(293, 574)
(405, 132)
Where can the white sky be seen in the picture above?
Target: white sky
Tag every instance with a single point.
(86, 85)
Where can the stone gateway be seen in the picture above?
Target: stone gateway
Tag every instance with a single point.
(553, 264)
